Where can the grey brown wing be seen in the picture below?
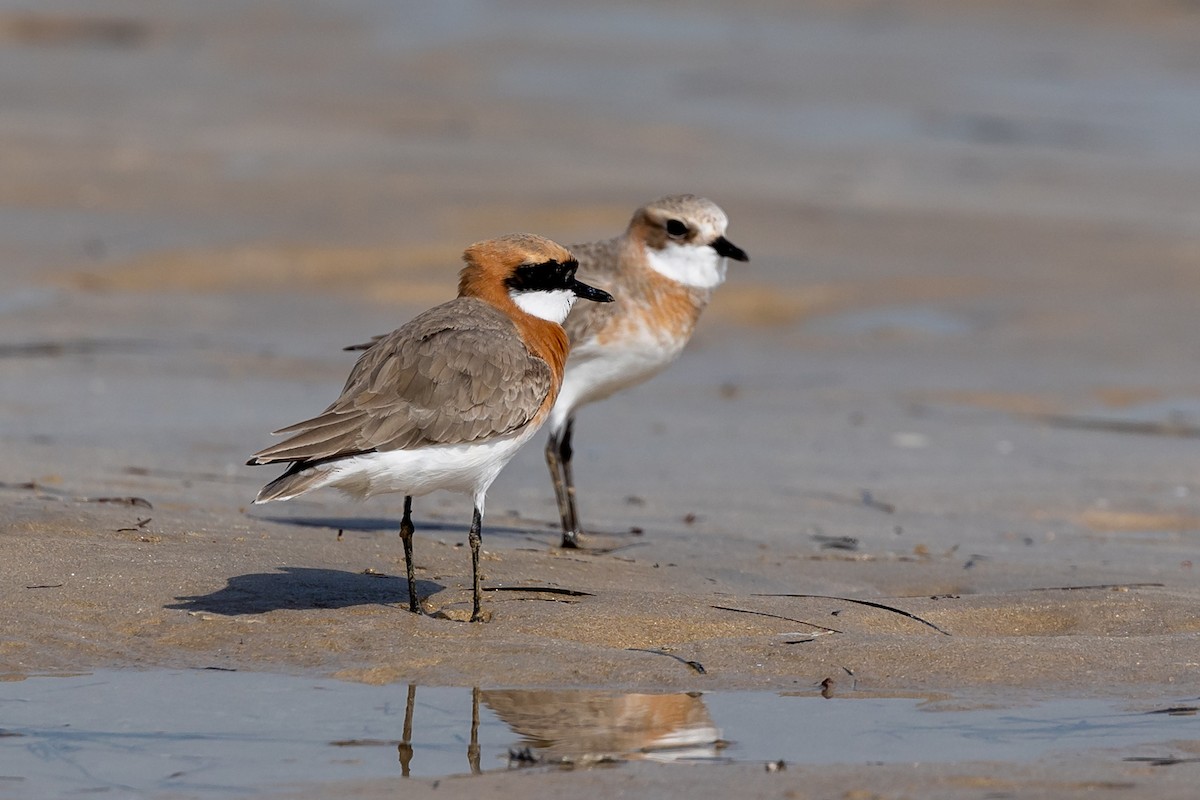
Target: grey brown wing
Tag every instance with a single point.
(435, 380)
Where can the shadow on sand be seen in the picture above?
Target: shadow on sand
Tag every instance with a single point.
(303, 588)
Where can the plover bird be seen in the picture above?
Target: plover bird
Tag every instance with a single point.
(445, 401)
(663, 270)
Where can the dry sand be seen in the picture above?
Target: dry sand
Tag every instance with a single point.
(958, 378)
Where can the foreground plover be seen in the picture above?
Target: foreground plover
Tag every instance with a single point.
(662, 270)
(445, 401)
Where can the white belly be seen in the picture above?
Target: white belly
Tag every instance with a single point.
(466, 468)
(596, 371)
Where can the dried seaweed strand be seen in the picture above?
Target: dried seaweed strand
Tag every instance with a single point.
(870, 603)
(777, 616)
(696, 665)
(541, 589)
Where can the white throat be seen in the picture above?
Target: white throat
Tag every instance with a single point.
(692, 265)
(553, 306)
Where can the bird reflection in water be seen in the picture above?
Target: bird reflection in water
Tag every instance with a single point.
(574, 726)
(579, 727)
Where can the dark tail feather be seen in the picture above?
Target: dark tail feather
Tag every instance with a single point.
(299, 479)
(364, 345)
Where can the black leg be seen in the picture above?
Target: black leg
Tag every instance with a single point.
(476, 539)
(473, 746)
(560, 490)
(406, 534)
(571, 516)
(405, 746)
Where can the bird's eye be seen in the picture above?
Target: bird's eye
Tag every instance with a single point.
(676, 228)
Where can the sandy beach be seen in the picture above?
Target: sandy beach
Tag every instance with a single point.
(938, 437)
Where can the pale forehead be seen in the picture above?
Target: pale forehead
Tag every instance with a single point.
(699, 211)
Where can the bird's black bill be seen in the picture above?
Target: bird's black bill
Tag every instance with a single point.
(726, 248)
(589, 292)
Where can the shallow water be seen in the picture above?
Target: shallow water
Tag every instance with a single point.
(210, 733)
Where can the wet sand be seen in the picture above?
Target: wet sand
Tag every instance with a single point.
(958, 378)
